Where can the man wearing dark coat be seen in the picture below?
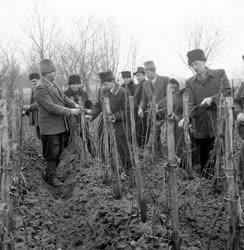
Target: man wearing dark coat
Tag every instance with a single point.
(155, 86)
(118, 99)
(128, 83)
(54, 109)
(204, 90)
(141, 122)
(74, 92)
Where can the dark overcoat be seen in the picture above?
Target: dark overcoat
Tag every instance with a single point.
(204, 117)
(118, 100)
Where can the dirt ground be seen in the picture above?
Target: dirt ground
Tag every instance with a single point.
(85, 215)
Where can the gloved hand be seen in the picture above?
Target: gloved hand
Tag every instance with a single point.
(207, 101)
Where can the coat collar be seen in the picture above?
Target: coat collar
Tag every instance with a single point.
(115, 89)
(51, 85)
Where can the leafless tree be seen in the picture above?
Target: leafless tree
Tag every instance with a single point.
(94, 47)
(205, 35)
(42, 34)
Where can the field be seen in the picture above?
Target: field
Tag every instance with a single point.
(84, 214)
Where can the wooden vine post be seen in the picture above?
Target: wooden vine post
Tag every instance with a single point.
(138, 177)
(187, 134)
(83, 128)
(172, 162)
(153, 139)
(219, 142)
(113, 147)
(233, 196)
(5, 206)
(105, 145)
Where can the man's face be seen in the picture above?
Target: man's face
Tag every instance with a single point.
(150, 73)
(50, 76)
(107, 85)
(126, 80)
(175, 87)
(34, 82)
(75, 87)
(140, 77)
(198, 66)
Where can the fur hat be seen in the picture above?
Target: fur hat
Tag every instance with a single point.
(195, 55)
(106, 76)
(149, 65)
(126, 74)
(33, 76)
(47, 66)
(139, 70)
(74, 79)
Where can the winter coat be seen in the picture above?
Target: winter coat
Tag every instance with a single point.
(52, 106)
(79, 93)
(119, 107)
(158, 89)
(138, 93)
(130, 86)
(204, 117)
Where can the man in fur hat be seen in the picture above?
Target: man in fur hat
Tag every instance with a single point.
(128, 83)
(75, 92)
(54, 108)
(118, 99)
(204, 89)
(155, 86)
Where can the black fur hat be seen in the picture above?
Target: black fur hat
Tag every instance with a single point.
(34, 76)
(74, 79)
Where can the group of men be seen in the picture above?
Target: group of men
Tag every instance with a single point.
(53, 108)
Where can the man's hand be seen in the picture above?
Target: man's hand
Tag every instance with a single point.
(111, 118)
(26, 107)
(88, 118)
(207, 101)
(75, 111)
(77, 106)
(140, 112)
(88, 111)
(181, 123)
(240, 117)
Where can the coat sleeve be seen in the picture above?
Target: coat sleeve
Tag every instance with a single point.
(225, 85)
(68, 102)
(33, 107)
(43, 99)
(194, 110)
(124, 111)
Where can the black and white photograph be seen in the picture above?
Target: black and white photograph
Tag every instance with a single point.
(121, 125)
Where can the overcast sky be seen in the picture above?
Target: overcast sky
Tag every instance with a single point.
(156, 26)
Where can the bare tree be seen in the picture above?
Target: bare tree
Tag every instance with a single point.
(9, 69)
(93, 48)
(43, 37)
(206, 36)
